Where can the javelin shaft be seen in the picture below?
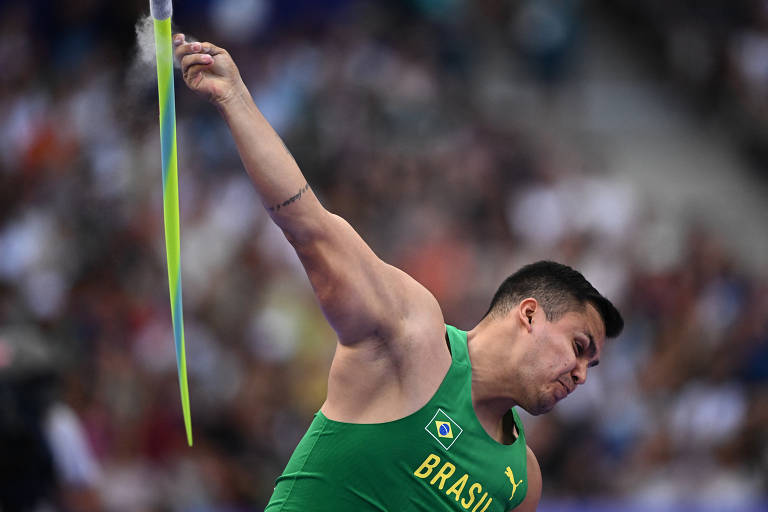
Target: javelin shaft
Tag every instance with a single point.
(164, 52)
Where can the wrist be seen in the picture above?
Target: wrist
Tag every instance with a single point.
(236, 96)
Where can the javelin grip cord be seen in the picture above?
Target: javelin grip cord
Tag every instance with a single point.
(160, 9)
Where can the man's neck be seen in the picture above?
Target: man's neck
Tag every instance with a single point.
(490, 398)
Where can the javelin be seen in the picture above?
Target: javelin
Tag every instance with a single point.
(161, 13)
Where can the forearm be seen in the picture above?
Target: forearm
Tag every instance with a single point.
(363, 297)
(282, 187)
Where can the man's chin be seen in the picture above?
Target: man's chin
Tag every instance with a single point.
(540, 408)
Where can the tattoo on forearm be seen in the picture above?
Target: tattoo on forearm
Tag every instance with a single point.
(290, 200)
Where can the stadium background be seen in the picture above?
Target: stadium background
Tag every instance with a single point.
(461, 139)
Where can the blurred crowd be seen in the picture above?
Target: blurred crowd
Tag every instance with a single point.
(716, 51)
(388, 107)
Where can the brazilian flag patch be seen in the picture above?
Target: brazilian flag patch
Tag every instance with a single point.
(443, 429)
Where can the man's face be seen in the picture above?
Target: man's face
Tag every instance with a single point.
(557, 357)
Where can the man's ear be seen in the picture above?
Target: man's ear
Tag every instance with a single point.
(526, 310)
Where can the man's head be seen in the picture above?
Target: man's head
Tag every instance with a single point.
(558, 289)
(561, 322)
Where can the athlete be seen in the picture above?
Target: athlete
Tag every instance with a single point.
(419, 415)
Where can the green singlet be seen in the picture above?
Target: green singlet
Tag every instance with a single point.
(437, 459)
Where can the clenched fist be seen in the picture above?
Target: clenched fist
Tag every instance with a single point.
(208, 70)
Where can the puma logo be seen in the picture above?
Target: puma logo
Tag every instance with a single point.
(511, 476)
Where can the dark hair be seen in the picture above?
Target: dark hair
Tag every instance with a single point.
(559, 289)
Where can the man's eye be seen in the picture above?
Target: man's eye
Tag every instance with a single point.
(579, 349)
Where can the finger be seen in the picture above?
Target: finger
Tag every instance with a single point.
(186, 49)
(210, 49)
(195, 59)
(178, 39)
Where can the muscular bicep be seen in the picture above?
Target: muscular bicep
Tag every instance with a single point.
(362, 297)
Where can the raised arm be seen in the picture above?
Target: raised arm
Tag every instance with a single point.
(362, 297)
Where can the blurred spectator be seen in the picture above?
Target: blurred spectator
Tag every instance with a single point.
(47, 461)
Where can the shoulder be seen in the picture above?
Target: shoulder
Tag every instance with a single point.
(393, 374)
(533, 495)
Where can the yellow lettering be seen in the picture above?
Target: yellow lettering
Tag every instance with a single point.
(445, 472)
(466, 504)
(427, 466)
(485, 495)
(458, 486)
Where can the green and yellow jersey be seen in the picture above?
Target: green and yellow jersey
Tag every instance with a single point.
(437, 459)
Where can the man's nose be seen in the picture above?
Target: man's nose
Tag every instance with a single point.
(579, 374)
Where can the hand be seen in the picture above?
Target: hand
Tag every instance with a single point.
(208, 70)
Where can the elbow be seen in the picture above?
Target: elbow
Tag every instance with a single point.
(305, 231)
